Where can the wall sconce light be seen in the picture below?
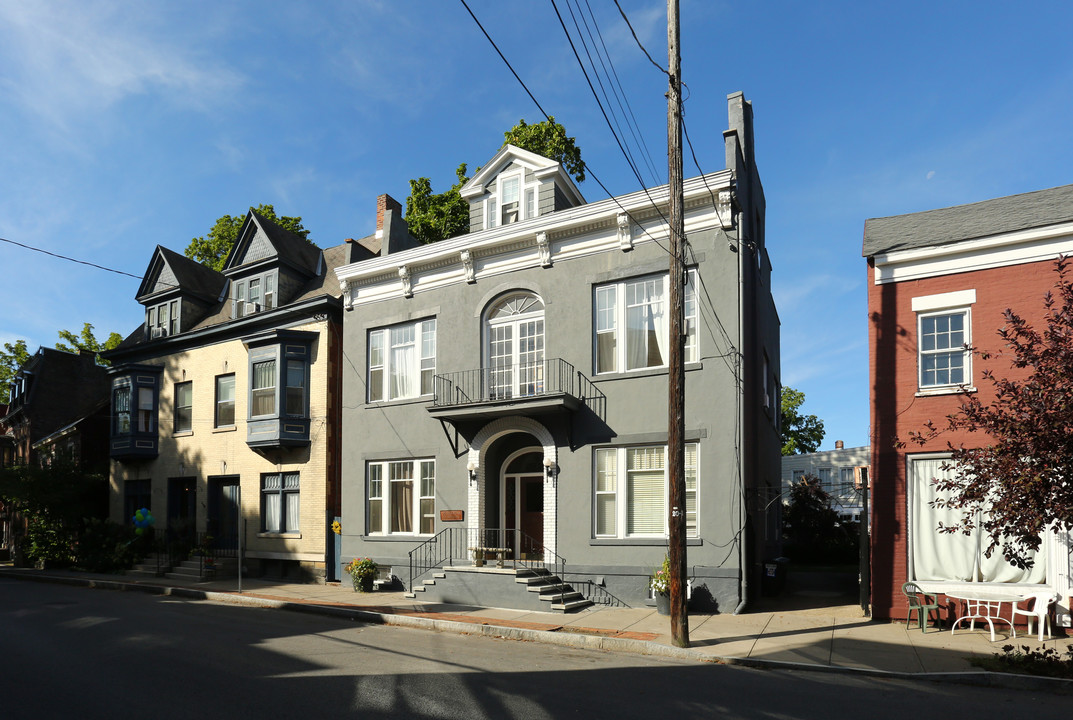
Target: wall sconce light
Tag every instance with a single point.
(472, 468)
(551, 470)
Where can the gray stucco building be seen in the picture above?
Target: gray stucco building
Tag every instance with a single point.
(507, 389)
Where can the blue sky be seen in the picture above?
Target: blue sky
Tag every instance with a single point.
(124, 125)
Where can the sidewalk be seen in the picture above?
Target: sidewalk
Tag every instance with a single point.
(825, 638)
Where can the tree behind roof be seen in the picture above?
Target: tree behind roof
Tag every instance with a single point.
(213, 248)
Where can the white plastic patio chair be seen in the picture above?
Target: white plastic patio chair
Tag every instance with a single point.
(1039, 609)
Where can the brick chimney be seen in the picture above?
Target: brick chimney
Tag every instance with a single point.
(839, 445)
(384, 203)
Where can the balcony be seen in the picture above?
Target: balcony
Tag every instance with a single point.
(536, 388)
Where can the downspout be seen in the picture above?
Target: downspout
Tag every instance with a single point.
(741, 423)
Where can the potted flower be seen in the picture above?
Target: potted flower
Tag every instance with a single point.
(362, 572)
(661, 587)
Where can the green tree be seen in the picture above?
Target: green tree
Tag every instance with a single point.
(548, 138)
(432, 217)
(437, 216)
(800, 433)
(12, 357)
(86, 340)
(212, 249)
(812, 528)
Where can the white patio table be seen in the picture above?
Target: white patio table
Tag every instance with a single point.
(983, 605)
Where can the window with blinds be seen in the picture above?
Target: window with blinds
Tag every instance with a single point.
(630, 491)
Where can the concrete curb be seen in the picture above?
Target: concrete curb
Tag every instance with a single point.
(980, 678)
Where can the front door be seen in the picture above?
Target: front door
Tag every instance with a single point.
(182, 508)
(523, 505)
(223, 512)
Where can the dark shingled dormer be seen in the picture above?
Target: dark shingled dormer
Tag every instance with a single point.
(177, 293)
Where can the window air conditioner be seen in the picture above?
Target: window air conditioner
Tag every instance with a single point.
(159, 332)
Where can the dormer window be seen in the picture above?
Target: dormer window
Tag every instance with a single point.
(253, 294)
(510, 193)
(163, 320)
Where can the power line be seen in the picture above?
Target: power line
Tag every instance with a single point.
(638, 41)
(71, 259)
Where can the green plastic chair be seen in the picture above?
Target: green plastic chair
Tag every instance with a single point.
(922, 603)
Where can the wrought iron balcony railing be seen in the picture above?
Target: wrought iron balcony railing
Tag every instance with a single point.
(505, 382)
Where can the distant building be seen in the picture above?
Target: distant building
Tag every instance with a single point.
(842, 472)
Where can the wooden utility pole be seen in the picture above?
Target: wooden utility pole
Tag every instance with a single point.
(676, 522)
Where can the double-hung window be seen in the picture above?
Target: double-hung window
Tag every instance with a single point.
(631, 486)
(184, 407)
(225, 400)
(944, 361)
(121, 401)
(263, 389)
(280, 503)
(632, 323)
(402, 497)
(402, 361)
(253, 294)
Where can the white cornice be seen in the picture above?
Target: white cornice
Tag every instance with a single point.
(569, 223)
(1016, 248)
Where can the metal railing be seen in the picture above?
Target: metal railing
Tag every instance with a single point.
(455, 545)
(552, 376)
(172, 548)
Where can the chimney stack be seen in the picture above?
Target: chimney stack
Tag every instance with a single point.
(384, 203)
(839, 445)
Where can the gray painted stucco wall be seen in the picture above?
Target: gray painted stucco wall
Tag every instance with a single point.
(635, 413)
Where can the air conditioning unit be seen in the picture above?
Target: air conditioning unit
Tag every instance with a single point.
(249, 308)
(159, 332)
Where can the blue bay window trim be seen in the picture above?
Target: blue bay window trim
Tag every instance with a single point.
(278, 390)
(135, 423)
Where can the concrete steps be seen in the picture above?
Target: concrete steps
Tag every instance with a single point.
(534, 589)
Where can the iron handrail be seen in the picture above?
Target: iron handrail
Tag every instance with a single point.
(551, 376)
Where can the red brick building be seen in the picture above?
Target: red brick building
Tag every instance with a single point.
(938, 281)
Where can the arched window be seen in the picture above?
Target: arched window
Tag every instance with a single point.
(514, 346)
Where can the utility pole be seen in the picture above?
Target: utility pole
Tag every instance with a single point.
(676, 521)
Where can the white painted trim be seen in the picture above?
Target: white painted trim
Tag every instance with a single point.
(1017, 248)
(958, 298)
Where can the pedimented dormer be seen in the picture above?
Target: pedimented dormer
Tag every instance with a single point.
(177, 292)
(268, 266)
(518, 185)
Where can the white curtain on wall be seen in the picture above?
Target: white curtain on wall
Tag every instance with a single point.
(954, 556)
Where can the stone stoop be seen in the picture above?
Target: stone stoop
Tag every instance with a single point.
(190, 570)
(515, 588)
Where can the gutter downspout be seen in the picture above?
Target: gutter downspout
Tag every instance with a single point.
(741, 423)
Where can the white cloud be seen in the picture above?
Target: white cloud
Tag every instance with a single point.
(64, 61)
(930, 175)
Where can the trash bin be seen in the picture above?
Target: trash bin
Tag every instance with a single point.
(773, 581)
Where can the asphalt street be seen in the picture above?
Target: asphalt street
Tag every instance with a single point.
(75, 652)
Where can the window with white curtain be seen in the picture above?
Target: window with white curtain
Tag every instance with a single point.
(632, 323)
(630, 491)
(402, 361)
(954, 557)
(280, 503)
(402, 497)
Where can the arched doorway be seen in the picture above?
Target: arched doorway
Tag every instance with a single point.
(521, 506)
(514, 346)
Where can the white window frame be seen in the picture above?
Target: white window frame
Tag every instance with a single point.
(162, 319)
(245, 300)
(611, 485)
(184, 424)
(420, 369)
(380, 476)
(958, 302)
(610, 314)
(528, 200)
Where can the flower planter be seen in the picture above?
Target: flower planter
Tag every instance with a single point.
(363, 584)
(663, 603)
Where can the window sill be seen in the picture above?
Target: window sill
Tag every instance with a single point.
(421, 399)
(662, 541)
(225, 428)
(183, 433)
(280, 536)
(644, 372)
(396, 538)
(946, 390)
